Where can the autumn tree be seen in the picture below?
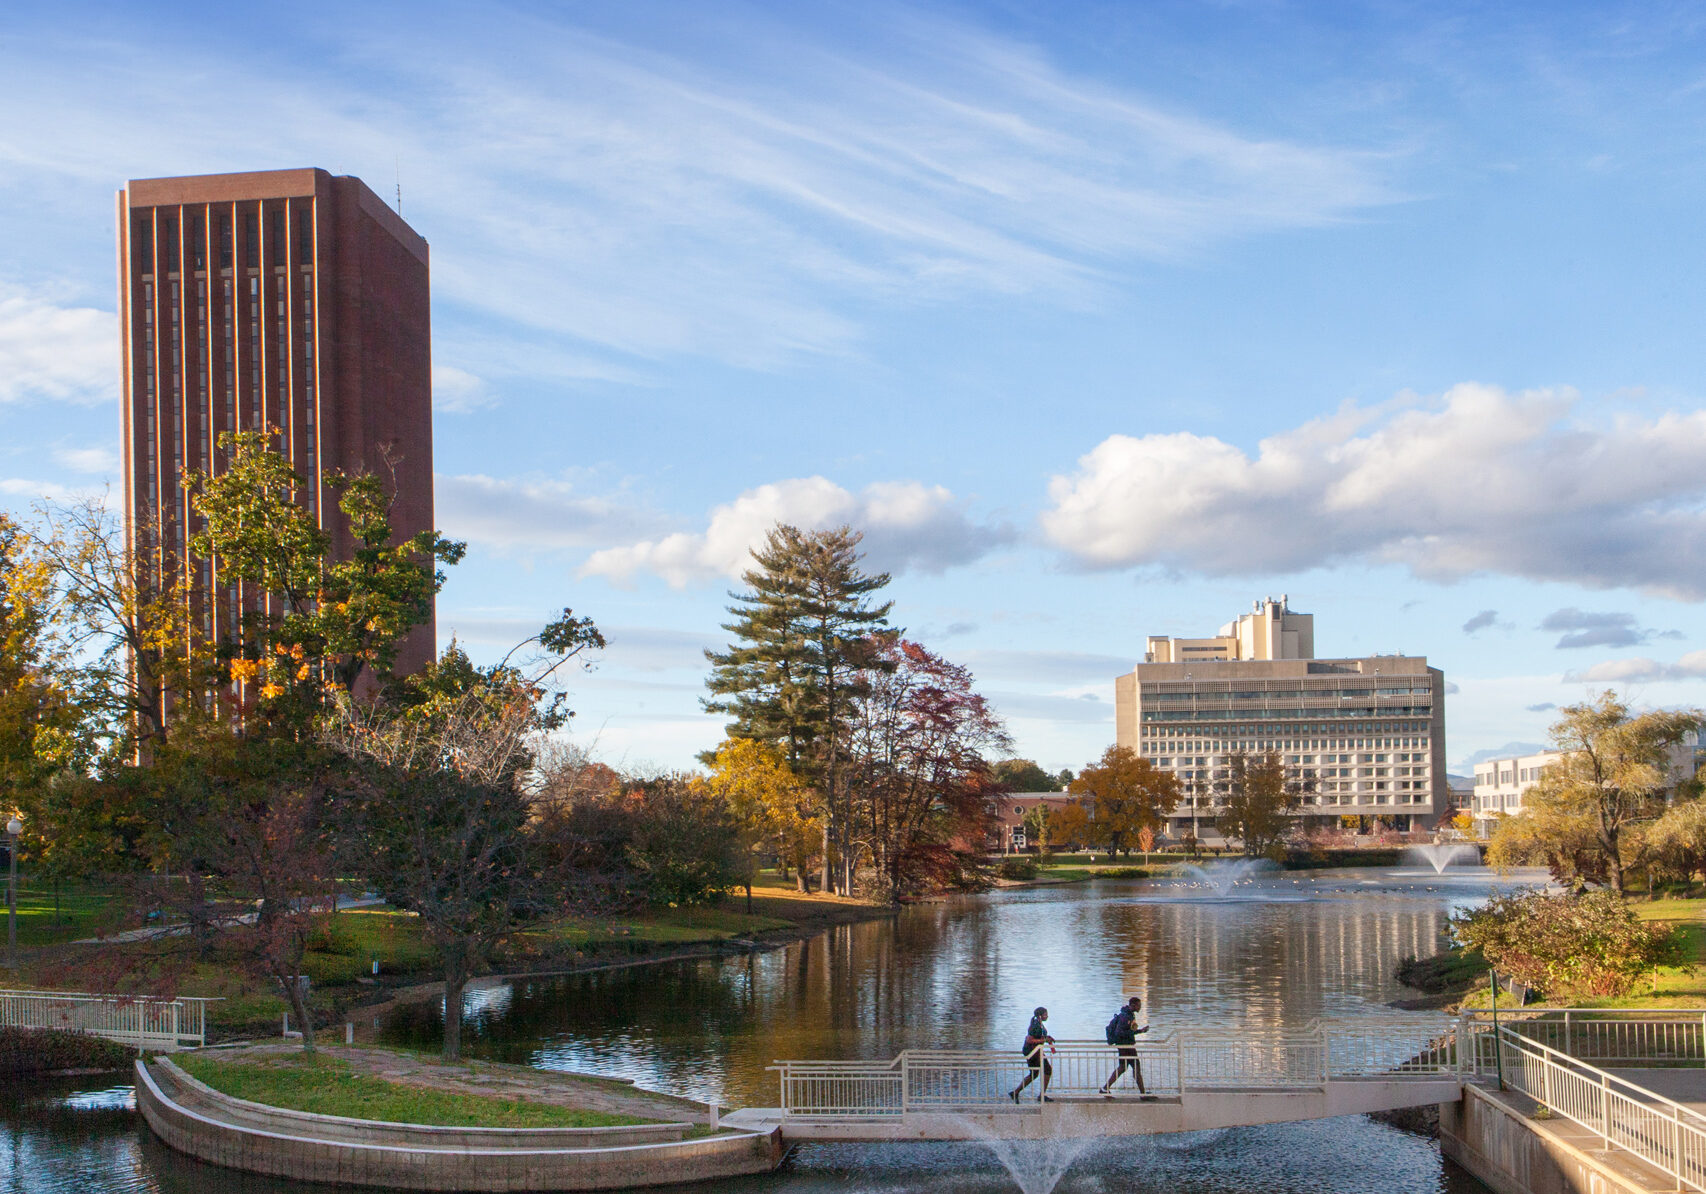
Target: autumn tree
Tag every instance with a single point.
(1257, 797)
(1613, 773)
(42, 714)
(1069, 825)
(916, 744)
(251, 815)
(440, 817)
(1122, 793)
(327, 620)
(807, 632)
(770, 805)
(1039, 821)
(124, 608)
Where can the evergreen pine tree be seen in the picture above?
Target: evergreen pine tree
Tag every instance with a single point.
(805, 628)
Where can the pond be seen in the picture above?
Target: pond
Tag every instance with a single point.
(1253, 953)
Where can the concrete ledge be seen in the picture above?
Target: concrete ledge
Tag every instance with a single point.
(199, 1121)
(1492, 1135)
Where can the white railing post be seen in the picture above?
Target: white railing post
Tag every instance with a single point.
(1605, 1109)
(906, 1081)
(1326, 1069)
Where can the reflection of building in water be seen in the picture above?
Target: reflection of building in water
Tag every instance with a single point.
(1366, 734)
(1268, 967)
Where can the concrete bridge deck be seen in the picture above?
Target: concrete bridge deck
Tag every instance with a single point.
(1074, 1115)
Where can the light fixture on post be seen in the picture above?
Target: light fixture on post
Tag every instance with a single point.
(14, 830)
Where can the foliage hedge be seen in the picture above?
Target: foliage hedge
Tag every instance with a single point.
(1123, 872)
(1017, 868)
(26, 1051)
(1388, 857)
(1567, 945)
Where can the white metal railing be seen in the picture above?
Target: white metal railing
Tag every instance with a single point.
(1609, 1036)
(937, 1079)
(159, 1024)
(1663, 1133)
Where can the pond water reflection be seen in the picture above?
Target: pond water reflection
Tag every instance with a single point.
(1276, 953)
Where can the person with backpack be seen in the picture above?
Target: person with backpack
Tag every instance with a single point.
(1122, 1033)
(1036, 1036)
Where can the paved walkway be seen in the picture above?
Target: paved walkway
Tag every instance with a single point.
(156, 932)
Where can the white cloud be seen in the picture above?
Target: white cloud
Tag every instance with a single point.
(55, 352)
(532, 515)
(1481, 480)
(908, 526)
(97, 461)
(457, 391)
(1641, 670)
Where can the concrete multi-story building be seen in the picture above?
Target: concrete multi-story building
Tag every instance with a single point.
(1501, 784)
(287, 301)
(1366, 734)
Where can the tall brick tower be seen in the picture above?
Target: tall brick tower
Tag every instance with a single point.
(287, 299)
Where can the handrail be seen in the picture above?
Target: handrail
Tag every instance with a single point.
(1172, 1062)
(1662, 1132)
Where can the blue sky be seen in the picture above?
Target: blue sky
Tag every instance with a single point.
(1101, 319)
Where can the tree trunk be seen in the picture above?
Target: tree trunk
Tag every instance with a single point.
(455, 979)
(824, 876)
(749, 897)
(299, 1008)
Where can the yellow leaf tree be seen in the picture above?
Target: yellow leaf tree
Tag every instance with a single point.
(770, 803)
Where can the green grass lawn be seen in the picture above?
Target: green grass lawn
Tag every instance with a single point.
(82, 911)
(331, 1086)
(663, 926)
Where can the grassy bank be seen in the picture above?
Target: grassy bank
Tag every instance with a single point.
(1681, 986)
(328, 1085)
(341, 957)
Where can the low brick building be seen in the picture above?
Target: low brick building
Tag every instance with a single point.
(1008, 836)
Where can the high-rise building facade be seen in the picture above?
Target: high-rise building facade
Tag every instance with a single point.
(290, 302)
(1368, 734)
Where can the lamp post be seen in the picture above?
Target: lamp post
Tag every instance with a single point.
(14, 830)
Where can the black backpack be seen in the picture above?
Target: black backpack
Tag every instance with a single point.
(1113, 1030)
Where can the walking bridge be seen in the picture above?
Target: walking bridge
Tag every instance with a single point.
(1204, 1079)
(1195, 1080)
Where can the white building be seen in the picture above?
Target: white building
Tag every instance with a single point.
(1501, 784)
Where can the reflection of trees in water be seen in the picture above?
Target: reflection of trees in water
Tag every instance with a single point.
(961, 973)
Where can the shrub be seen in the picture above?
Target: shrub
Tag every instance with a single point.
(1566, 945)
(1453, 970)
(1123, 872)
(1017, 868)
(46, 1050)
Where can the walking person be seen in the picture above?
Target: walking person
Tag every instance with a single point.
(1036, 1037)
(1122, 1034)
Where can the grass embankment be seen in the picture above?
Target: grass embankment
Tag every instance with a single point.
(326, 1085)
(1465, 974)
(340, 960)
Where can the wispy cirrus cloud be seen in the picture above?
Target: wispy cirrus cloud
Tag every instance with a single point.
(740, 205)
(1480, 480)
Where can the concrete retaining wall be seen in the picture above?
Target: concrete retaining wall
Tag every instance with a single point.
(197, 1120)
(1496, 1141)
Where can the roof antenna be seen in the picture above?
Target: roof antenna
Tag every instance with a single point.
(397, 164)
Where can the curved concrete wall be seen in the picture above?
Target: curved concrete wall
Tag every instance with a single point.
(197, 1120)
